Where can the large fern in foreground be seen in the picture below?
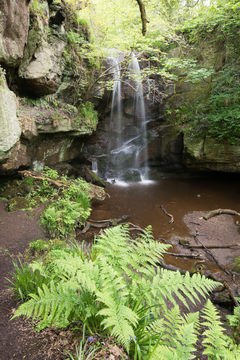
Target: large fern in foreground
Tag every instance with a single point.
(120, 288)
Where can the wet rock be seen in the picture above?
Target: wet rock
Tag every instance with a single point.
(14, 22)
(90, 176)
(10, 129)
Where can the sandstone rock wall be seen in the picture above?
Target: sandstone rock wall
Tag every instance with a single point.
(14, 23)
(46, 131)
(10, 129)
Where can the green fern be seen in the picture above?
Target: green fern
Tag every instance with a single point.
(116, 290)
(216, 343)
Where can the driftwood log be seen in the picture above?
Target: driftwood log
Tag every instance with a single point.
(216, 212)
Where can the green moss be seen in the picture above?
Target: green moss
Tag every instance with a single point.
(236, 264)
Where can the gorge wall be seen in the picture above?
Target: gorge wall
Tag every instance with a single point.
(40, 84)
(39, 122)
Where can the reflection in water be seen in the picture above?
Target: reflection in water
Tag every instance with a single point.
(179, 197)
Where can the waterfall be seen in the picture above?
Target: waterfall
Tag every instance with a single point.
(141, 155)
(127, 152)
(94, 165)
(115, 136)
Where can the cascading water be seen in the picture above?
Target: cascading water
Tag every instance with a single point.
(115, 130)
(141, 155)
(126, 152)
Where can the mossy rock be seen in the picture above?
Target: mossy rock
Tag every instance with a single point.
(235, 265)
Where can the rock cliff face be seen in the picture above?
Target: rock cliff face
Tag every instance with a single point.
(39, 124)
(14, 23)
(202, 152)
(9, 123)
(35, 130)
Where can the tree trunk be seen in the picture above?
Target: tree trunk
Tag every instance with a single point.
(143, 16)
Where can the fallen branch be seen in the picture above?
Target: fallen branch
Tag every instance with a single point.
(166, 213)
(211, 246)
(135, 227)
(112, 221)
(216, 212)
(102, 223)
(227, 286)
(208, 251)
(34, 175)
(197, 256)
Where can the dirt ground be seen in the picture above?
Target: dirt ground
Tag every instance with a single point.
(19, 341)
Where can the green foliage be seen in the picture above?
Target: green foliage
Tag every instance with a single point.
(38, 247)
(184, 68)
(89, 115)
(223, 18)
(37, 7)
(63, 215)
(71, 209)
(83, 352)
(24, 280)
(219, 115)
(120, 289)
(50, 173)
(234, 321)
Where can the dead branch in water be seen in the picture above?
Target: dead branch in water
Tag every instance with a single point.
(166, 213)
(216, 212)
(196, 256)
(211, 246)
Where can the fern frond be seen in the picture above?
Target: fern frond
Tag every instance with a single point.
(168, 285)
(52, 305)
(119, 318)
(163, 352)
(178, 344)
(215, 341)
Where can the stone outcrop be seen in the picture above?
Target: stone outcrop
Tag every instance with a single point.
(10, 129)
(14, 23)
(38, 131)
(41, 68)
(208, 155)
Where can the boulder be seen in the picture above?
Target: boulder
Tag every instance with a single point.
(14, 22)
(18, 157)
(10, 129)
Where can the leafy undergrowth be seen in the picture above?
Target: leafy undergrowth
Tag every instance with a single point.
(117, 289)
(66, 202)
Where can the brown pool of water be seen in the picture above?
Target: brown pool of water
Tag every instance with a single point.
(181, 198)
